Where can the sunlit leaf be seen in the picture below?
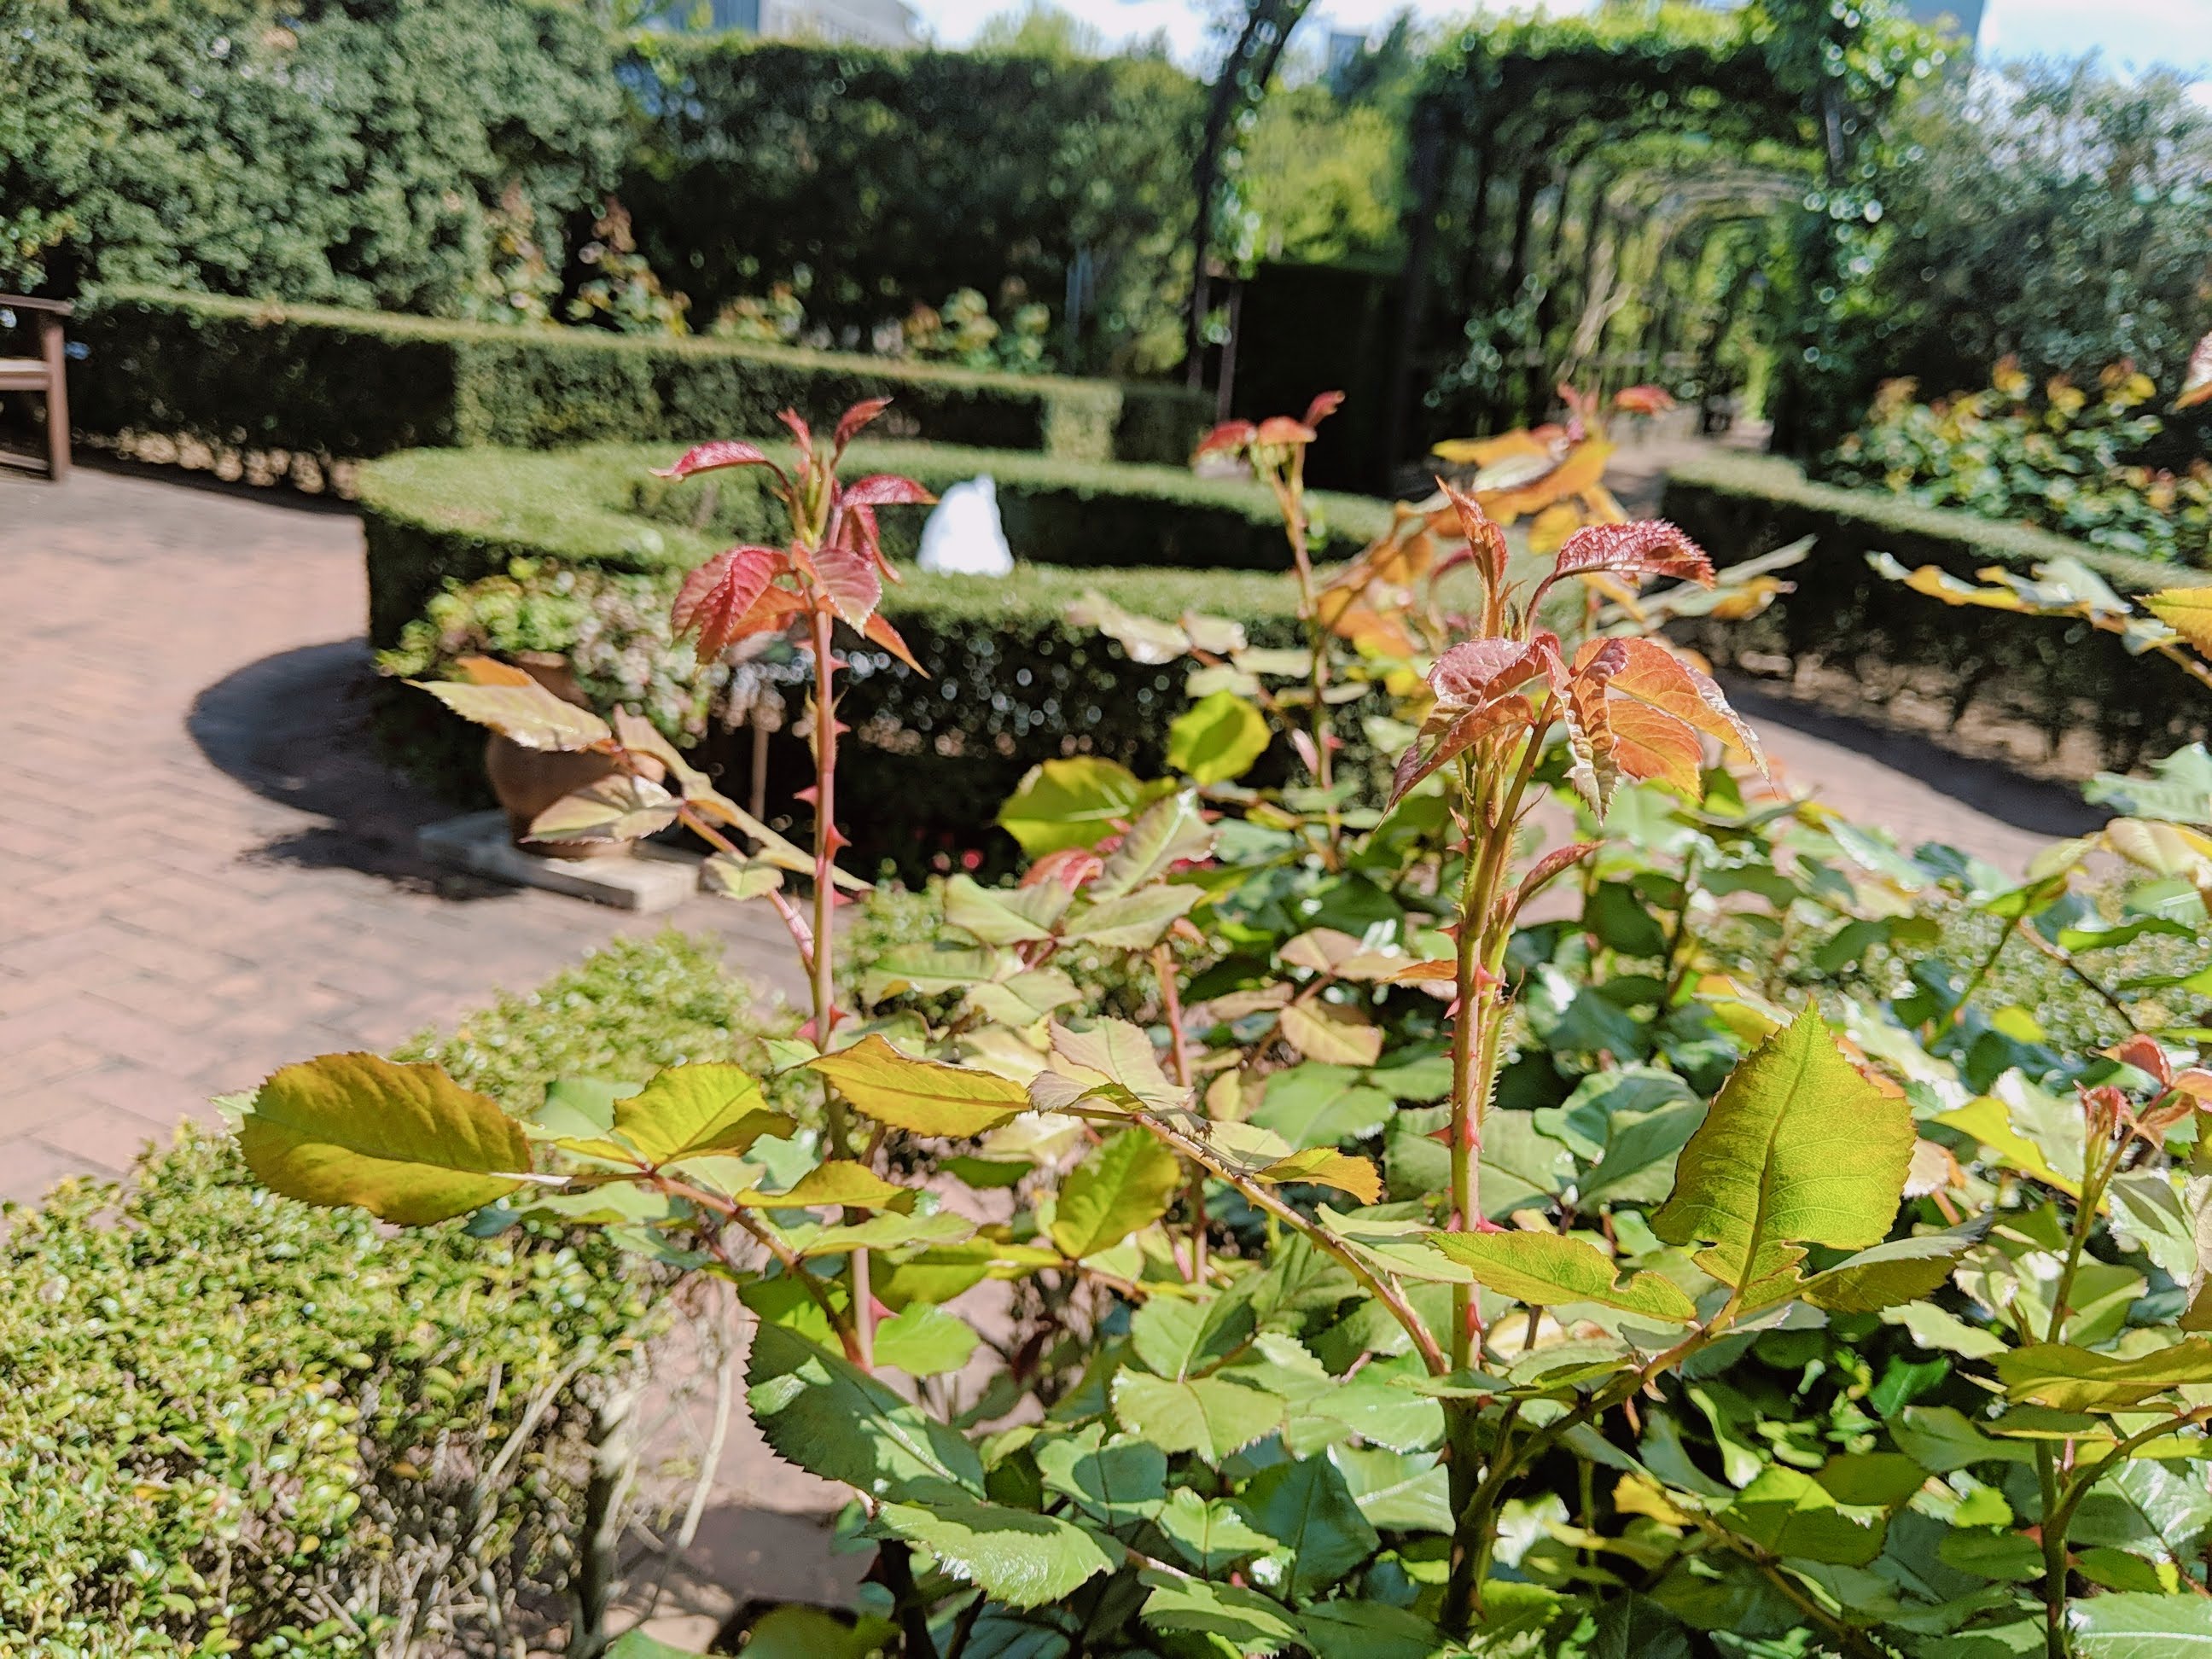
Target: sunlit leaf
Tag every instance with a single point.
(923, 1341)
(615, 808)
(1331, 1033)
(526, 714)
(1168, 832)
(1545, 1270)
(2188, 611)
(406, 1143)
(1075, 803)
(2069, 1378)
(922, 1097)
(717, 600)
(831, 1418)
(686, 1111)
(1209, 1416)
(1217, 738)
(1128, 1182)
(1798, 1149)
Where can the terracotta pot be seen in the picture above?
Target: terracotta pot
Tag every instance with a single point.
(528, 780)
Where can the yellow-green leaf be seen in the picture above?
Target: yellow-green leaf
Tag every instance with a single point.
(686, 1110)
(1334, 1036)
(922, 1097)
(1127, 1183)
(1546, 1270)
(840, 1181)
(2071, 1379)
(405, 1142)
(1217, 738)
(526, 714)
(1798, 1149)
(2188, 611)
(1074, 803)
(1324, 1166)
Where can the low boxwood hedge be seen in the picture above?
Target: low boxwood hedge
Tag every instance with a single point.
(352, 384)
(441, 515)
(232, 1423)
(2055, 677)
(568, 539)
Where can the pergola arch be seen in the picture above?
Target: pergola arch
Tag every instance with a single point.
(1523, 120)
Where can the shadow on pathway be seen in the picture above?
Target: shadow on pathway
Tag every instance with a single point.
(295, 729)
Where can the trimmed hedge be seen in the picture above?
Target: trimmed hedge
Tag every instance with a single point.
(439, 516)
(230, 1418)
(2055, 677)
(353, 384)
(1010, 681)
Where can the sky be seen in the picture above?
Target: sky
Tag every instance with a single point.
(2131, 33)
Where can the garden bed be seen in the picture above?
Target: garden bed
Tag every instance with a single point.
(1011, 680)
(1875, 644)
(249, 378)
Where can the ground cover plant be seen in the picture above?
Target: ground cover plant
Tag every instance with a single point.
(1423, 1227)
(2072, 460)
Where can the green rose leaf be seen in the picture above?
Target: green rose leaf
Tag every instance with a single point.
(1786, 1511)
(1018, 1557)
(1208, 1532)
(1112, 1480)
(925, 1341)
(840, 1181)
(1217, 738)
(1370, 1629)
(2132, 1625)
(1004, 915)
(406, 1143)
(1074, 803)
(2071, 1379)
(1134, 921)
(1127, 1183)
(1903, 1270)
(1248, 1622)
(922, 1097)
(686, 1111)
(1307, 1506)
(831, 1418)
(1209, 1416)
(1168, 832)
(1545, 1270)
(1798, 1149)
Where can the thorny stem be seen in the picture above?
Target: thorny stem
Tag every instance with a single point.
(2058, 1511)
(1381, 1289)
(1179, 1052)
(823, 962)
(1289, 495)
(793, 1266)
(800, 937)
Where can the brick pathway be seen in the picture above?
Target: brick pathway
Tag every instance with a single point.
(202, 876)
(206, 878)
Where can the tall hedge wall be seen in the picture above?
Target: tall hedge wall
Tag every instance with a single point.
(352, 152)
(351, 385)
(2056, 678)
(891, 177)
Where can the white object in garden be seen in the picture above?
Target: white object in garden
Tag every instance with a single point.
(963, 536)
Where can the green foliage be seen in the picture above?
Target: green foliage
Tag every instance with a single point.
(1842, 612)
(2053, 211)
(234, 1422)
(2070, 462)
(627, 1010)
(343, 154)
(957, 171)
(1686, 1319)
(352, 383)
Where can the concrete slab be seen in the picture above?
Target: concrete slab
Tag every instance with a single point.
(652, 878)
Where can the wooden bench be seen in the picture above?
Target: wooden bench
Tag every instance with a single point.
(45, 373)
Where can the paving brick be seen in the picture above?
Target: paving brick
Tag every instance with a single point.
(242, 907)
(103, 1137)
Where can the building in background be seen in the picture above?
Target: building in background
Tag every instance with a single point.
(1961, 18)
(858, 22)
